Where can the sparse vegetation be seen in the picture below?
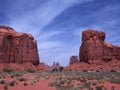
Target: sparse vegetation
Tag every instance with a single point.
(84, 70)
(65, 80)
(21, 79)
(97, 70)
(7, 70)
(25, 83)
(98, 87)
(112, 70)
(2, 81)
(53, 83)
(54, 70)
(12, 83)
(30, 70)
(61, 68)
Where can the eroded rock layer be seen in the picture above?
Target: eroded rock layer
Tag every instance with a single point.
(94, 47)
(17, 47)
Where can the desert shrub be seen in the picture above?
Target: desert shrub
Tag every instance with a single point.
(75, 87)
(5, 87)
(61, 68)
(11, 83)
(12, 76)
(112, 88)
(30, 70)
(97, 70)
(17, 74)
(21, 79)
(98, 87)
(34, 80)
(84, 70)
(76, 78)
(113, 80)
(25, 84)
(2, 81)
(68, 81)
(94, 83)
(53, 83)
(89, 88)
(62, 81)
(112, 70)
(7, 70)
(87, 84)
(54, 70)
(59, 87)
(82, 80)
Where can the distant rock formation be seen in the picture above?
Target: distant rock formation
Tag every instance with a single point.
(55, 64)
(95, 48)
(17, 47)
(73, 60)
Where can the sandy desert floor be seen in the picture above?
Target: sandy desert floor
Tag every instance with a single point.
(56, 80)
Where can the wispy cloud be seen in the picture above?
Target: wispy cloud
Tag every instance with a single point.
(68, 19)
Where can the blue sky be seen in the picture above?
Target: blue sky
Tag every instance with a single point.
(57, 24)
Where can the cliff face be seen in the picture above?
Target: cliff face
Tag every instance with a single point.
(95, 48)
(16, 47)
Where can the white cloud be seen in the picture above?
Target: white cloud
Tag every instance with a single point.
(49, 45)
(49, 34)
(35, 20)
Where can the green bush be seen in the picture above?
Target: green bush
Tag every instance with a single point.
(61, 68)
(112, 70)
(98, 87)
(82, 80)
(97, 70)
(75, 88)
(17, 74)
(25, 84)
(7, 70)
(113, 80)
(87, 84)
(53, 83)
(84, 70)
(94, 83)
(112, 88)
(2, 81)
(12, 83)
(89, 88)
(30, 70)
(62, 81)
(54, 70)
(21, 79)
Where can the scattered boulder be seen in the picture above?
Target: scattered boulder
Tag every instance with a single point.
(73, 60)
(17, 47)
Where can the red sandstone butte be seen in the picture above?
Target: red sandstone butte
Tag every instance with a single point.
(17, 47)
(73, 60)
(94, 47)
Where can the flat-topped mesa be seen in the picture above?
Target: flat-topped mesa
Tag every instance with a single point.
(73, 60)
(94, 47)
(17, 47)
